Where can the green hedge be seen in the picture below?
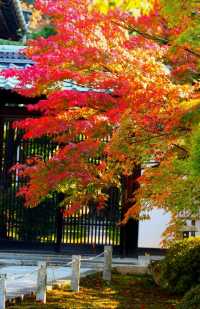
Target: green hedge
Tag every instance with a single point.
(180, 270)
(191, 299)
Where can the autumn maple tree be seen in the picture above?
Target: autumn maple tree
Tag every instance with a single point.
(114, 81)
(174, 183)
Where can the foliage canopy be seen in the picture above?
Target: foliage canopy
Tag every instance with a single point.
(132, 67)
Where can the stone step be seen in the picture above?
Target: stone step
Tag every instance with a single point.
(28, 259)
(92, 264)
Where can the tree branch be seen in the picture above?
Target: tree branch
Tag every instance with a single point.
(182, 149)
(161, 40)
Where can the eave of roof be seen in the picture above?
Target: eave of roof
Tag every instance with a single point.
(11, 20)
(10, 56)
(20, 15)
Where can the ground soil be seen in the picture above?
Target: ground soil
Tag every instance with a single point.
(125, 291)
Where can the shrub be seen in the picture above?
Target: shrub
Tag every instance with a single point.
(191, 299)
(180, 270)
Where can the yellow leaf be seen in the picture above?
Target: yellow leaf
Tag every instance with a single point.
(135, 6)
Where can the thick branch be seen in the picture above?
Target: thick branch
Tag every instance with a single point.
(181, 148)
(161, 40)
(148, 139)
(149, 36)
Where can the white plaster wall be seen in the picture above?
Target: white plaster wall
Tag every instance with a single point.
(198, 228)
(150, 231)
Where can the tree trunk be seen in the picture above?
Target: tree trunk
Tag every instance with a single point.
(129, 231)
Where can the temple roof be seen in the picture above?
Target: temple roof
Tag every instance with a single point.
(10, 56)
(12, 21)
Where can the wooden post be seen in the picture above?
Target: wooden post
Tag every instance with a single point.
(144, 260)
(2, 291)
(107, 263)
(41, 282)
(76, 261)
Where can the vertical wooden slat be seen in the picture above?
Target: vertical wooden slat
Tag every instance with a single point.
(82, 228)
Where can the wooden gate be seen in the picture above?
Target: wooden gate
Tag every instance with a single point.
(45, 226)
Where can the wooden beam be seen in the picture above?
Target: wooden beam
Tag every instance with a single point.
(15, 112)
(9, 97)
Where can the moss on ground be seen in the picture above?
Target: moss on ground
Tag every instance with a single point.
(125, 291)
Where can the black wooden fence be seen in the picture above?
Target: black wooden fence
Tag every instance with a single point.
(45, 225)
